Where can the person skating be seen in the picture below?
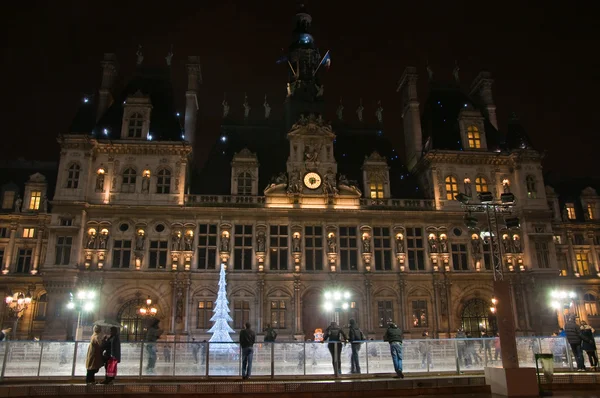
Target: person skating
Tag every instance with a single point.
(270, 334)
(589, 344)
(355, 335)
(335, 336)
(247, 339)
(393, 335)
(574, 339)
(153, 334)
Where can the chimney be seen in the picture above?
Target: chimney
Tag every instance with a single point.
(191, 98)
(413, 140)
(109, 72)
(481, 91)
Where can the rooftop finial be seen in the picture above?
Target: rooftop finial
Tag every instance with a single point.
(169, 56)
(455, 72)
(140, 56)
(429, 71)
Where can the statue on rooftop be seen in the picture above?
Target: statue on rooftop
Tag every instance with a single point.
(247, 107)
(140, 56)
(225, 108)
(379, 112)
(267, 108)
(359, 111)
(340, 111)
(169, 56)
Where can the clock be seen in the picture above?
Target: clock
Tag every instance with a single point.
(312, 180)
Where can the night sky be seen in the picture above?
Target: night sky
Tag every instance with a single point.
(542, 57)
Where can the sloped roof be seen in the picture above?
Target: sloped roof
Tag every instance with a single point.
(516, 137)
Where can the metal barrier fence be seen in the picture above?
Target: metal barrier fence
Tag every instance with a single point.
(37, 359)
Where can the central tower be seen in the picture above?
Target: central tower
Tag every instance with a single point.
(304, 90)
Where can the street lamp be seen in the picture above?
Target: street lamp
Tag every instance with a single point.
(82, 301)
(336, 301)
(564, 301)
(16, 305)
(148, 309)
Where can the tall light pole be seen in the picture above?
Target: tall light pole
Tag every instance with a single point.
(82, 301)
(562, 301)
(335, 301)
(17, 304)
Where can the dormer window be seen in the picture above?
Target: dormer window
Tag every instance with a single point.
(451, 187)
(35, 200)
(244, 184)
(570, 207)
(135, 125)
(474, 137)
(376, 188)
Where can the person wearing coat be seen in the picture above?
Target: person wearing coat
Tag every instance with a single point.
(112, 354)
(573, 333)
(589, 344)
(94, 360)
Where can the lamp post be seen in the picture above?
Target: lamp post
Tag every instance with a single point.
(492, 208)
(335, 301)
(83, 301)
(148, 309)
(562, 300)
(16, 305)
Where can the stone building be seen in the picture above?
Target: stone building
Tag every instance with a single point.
(295, 205)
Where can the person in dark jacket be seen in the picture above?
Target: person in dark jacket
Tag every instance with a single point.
(270, 334)
(112, 355)
(393, 335)
(247, 339)
(589, 344)
(334, 336)
(574, 339)
(355, 335)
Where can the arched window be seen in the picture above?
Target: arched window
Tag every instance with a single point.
(41, 307)
(133, 327)
(451, 188)
(475, 317)
(531, 191)
(481, 185)
(73, 176)
(590, 303)
(474, 137)
(163, 181)
(136, 122)
(129, 176)
(376, 187)
(244, 184)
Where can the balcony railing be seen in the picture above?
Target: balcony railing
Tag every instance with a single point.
(400, 204)
(37, 359)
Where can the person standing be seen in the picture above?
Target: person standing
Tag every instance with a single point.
(167, 353)
(270, 334)
(94, 360)
(247, 339)
(195, 350)
(334, 335)
(355, 335)
(393, 335)
(112, 355)
(589, 344)
(425, 351)
(574, 339)
(153, 334)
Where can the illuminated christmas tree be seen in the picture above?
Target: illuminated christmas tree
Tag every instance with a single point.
(221, 328)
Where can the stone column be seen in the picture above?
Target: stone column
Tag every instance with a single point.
(403, 301)
(187, 311)
(38, 249)
(369, 304)
(572, 252)
(593, 254)
(260, 307)
(78, 245)
(297, 307)
(10, 248)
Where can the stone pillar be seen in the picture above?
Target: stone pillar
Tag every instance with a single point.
(78, 245)
(38, 250)
(187, 310)
(369, 304)
(260, 307)
(10, 248)
(593, 254)
(572, 253)
(297, 306)
(403, 302)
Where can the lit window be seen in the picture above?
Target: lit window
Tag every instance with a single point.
(591, 211)
(481, 185)
(376, 188)
(244, 184)
(203, 314)
(278, 310)
(34, 201)
(451, 188)
(163, 181)
(474, 137)
(531, 190)
(73, 176)
(129, 176)
(136, 123)
(570, 211)
(583, 264)
(8, 200)
(590, 303)
(28, 232)
(419, 315)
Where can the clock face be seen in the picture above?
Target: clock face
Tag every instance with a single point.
(312, 180)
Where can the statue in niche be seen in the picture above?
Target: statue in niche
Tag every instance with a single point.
(311, 153)
(18, 204)
(340, 111)
(359, 111)
(176, 242)
(100, 182)
(224, 243)
(139, 241)
(455, 72)
(179, 309)
(296, 243)
(331, 245)
(261, 242)
(476, 246)
(366, 245)
(247, 107)
(91, 241)
(295, 185)
(188, 241)
(169, 56)
(517, 243)
(140, 56)
(429, 72)
(146, 184)
(320, 90)
(506, 245)
(379, 112)
(267, 108)
(329, 187)
(103, 239)
(444, 245)
(433, 245)
(400, 245)
(225, 108)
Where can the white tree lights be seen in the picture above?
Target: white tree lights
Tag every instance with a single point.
(221, 328)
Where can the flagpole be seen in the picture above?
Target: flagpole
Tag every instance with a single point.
(320, 63)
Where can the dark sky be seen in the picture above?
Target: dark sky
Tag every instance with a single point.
(542, 57)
